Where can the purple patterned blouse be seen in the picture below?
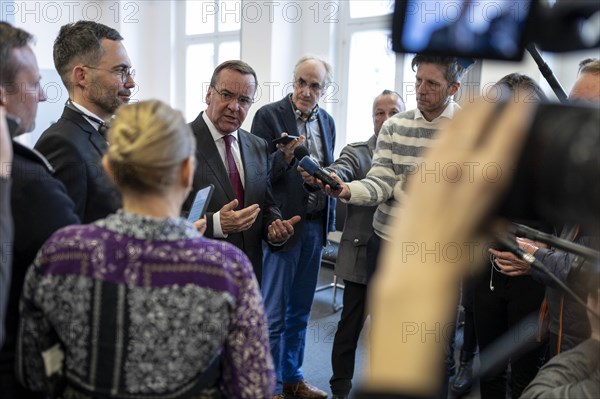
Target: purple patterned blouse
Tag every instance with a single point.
(139, 307)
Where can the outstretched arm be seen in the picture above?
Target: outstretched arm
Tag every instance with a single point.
(414, 295)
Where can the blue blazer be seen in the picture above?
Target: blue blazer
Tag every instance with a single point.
(289, 190)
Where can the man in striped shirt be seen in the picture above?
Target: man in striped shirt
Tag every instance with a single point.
(401, 142)
(399, 150)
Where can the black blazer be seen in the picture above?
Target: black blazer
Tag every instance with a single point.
(290, 193)
(75, 150)
(40, 206)
(210, 169)
(6, 247)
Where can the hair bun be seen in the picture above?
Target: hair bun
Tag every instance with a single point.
(123, 138)
(147, 143)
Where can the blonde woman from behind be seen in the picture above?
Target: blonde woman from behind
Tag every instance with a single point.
(139, 304)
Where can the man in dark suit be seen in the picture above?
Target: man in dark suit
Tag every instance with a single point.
(40, 204)
(95, 69)
(242, 210)
(290, 275)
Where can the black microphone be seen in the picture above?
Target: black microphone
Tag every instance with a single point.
(313, 168)
(520, 230)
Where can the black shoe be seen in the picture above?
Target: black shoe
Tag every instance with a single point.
(464, 378)
(340, 397)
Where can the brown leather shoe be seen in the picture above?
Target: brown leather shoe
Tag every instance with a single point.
(303, 389)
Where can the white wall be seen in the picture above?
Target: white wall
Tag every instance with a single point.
(271, 43)
(273, 37)
(148, 30)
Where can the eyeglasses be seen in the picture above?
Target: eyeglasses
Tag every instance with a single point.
(124, 72)
(226, 96)
(314, 87)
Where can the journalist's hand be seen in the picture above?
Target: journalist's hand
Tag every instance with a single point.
(288, 149)
(343, 192)
(308, 179)
(510, 264)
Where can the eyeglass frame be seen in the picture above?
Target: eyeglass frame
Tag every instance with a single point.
(229, 97)
(125, 72)
(314, 87)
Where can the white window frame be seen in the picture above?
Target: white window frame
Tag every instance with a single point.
(347, 27)
(183, 41)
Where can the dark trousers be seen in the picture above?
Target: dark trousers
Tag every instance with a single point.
(469, 337)
(346, 337)
(496, 312)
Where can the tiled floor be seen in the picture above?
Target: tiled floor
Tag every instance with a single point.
(319, 340)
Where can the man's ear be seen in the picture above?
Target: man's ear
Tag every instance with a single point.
(78, 76)
(453, 88)
(208, 95)
(188, 168)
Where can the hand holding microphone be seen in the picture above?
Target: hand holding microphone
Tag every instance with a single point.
(308, 165)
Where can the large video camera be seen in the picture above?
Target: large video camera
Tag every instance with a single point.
(558, 174)
(494, 29)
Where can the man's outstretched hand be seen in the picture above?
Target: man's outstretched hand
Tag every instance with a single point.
(282, 230)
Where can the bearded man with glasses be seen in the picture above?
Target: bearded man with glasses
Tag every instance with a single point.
(95, 68)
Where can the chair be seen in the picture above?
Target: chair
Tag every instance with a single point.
(330, 253)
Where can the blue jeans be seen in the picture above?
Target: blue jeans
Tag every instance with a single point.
(288, 286)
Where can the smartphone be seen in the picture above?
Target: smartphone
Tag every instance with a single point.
(285, 139)
(200, 203)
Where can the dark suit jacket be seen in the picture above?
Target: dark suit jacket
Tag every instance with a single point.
(40, 206)
(6, 244)
(75, 150)
(290, 193)
(210, 169)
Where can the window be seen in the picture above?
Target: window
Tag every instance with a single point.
(367, 66)
(367, 79)
(370, 8)
(210, 35)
